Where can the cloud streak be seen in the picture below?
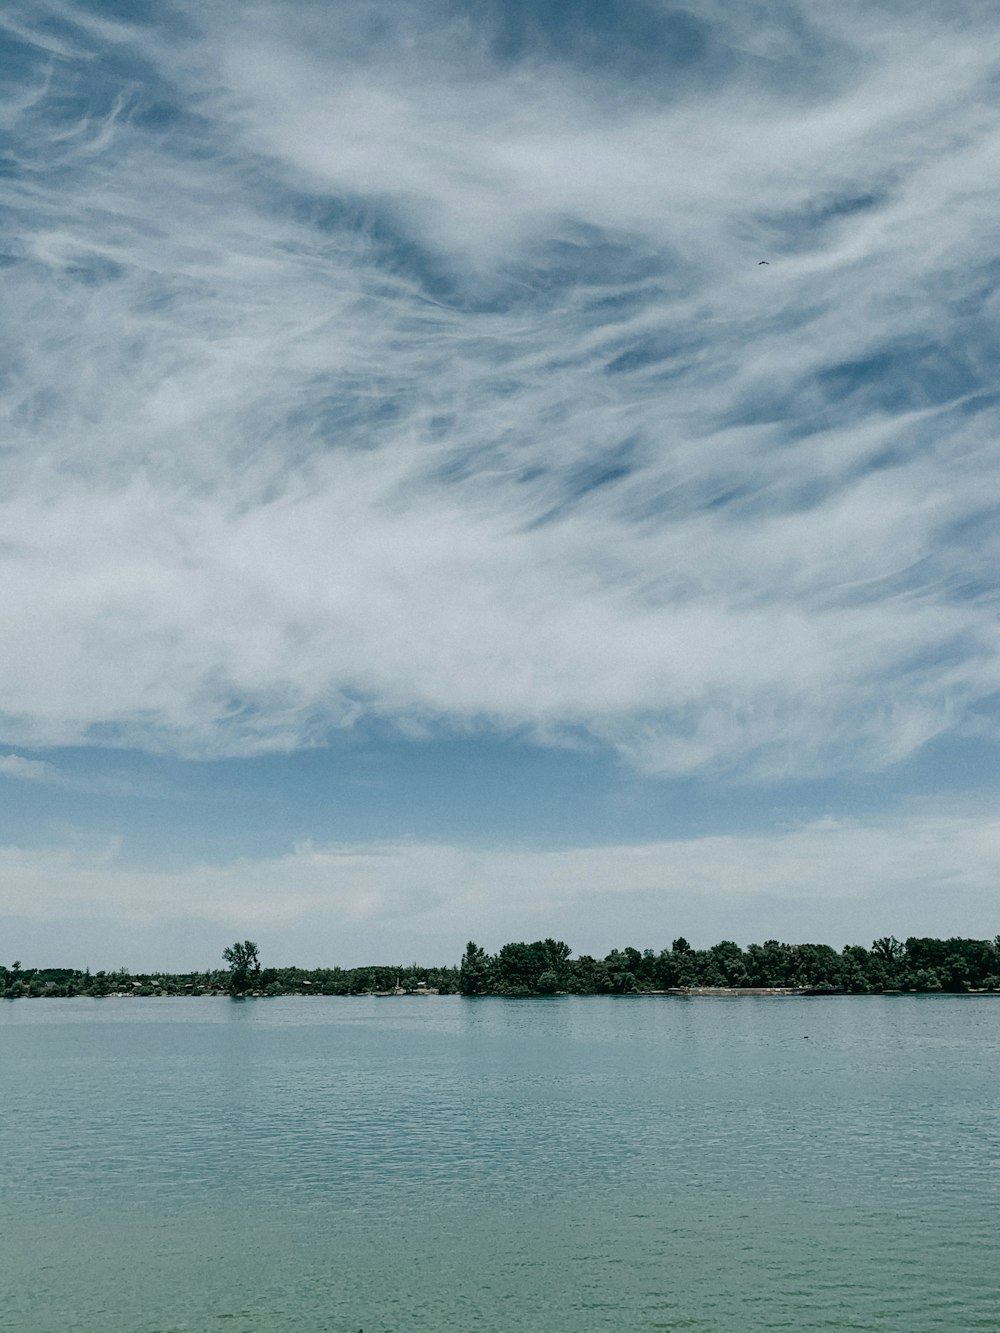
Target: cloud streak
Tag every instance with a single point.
(360, 376)
(350, 903)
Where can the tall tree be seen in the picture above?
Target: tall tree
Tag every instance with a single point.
(244, 966)
(476, 970)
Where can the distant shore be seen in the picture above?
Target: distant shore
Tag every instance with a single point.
(674, 992)
(919, 965)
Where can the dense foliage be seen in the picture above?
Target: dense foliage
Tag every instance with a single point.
(264, 981)
(546, 967)
(244, 966)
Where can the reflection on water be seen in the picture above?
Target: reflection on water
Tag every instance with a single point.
(473, 1165)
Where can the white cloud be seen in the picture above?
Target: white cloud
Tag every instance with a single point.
(913, 873)
(27, 770)
(269, 470)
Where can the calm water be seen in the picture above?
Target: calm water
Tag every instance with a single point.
(557, 1166)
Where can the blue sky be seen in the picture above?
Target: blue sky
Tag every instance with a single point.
(423, 517)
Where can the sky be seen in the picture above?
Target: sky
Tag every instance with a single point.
(423, 515)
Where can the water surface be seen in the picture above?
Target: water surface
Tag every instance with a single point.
(489, 1166)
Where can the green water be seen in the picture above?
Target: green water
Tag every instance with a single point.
(494, 1166)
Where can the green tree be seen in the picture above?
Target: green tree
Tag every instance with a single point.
(244, 966)
(623, 967)
(588, 976)
(956, 973)
(889, 949)
(518, 965)
(926, 979)
(475, 972)
(855, 963)
(727, 958)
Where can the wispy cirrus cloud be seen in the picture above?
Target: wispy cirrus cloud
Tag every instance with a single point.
(407, 362)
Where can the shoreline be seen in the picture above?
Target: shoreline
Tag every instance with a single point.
(675, 993)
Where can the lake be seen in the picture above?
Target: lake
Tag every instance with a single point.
(491, 1166)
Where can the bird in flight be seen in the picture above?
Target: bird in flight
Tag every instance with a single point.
(761, 261)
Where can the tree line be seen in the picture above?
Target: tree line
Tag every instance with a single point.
(245, 976)
(547, 967)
